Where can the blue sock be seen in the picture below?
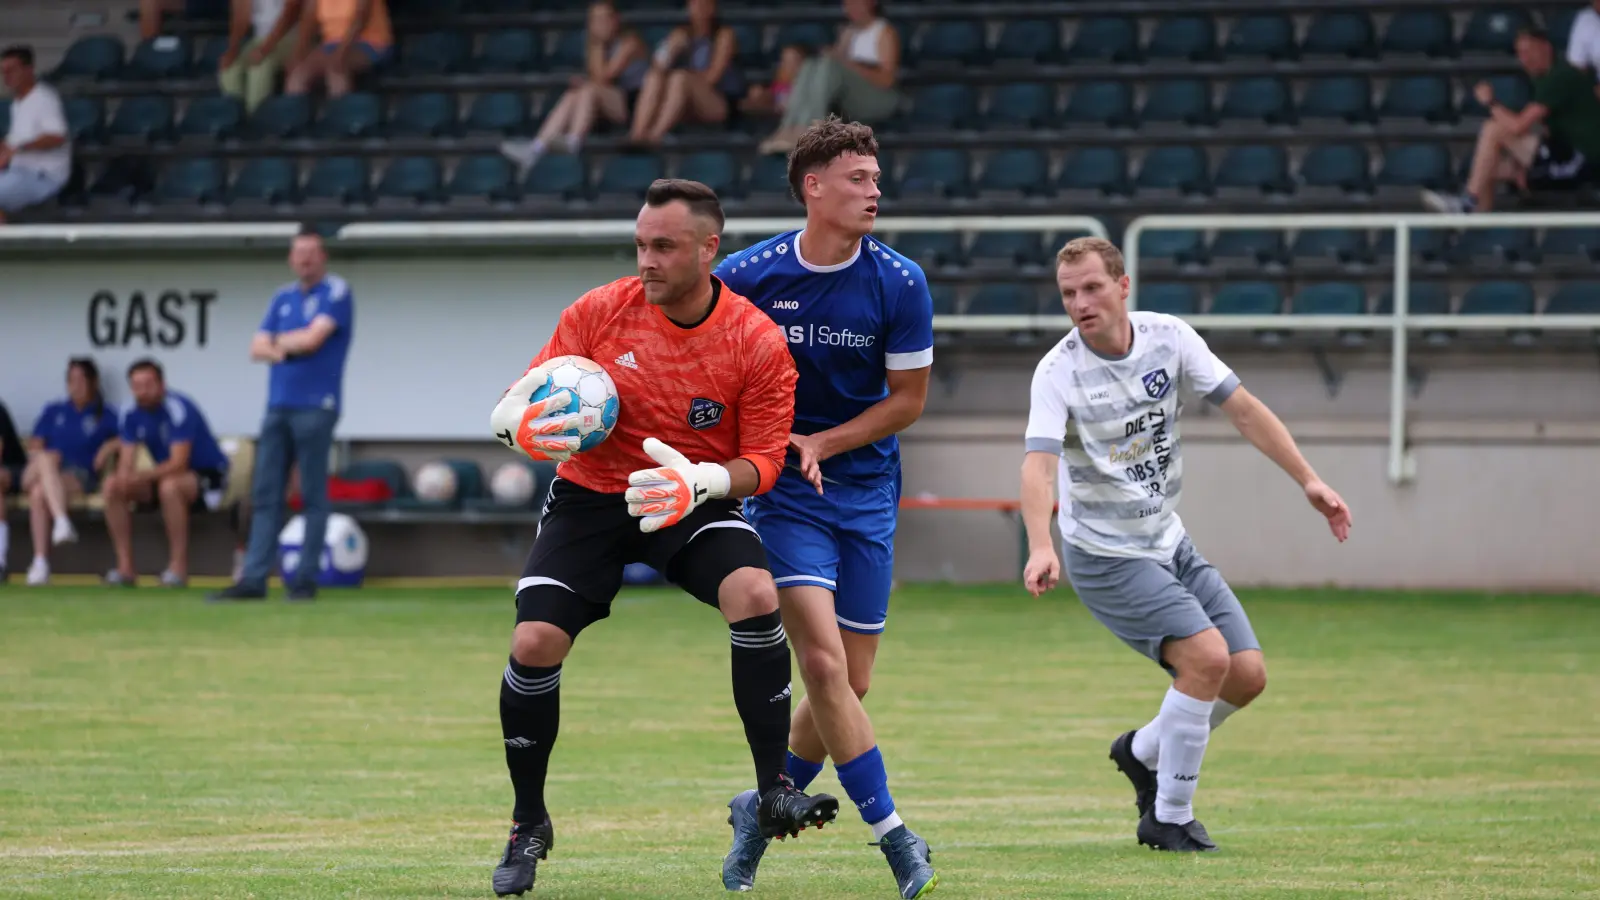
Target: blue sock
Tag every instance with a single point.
(803, 771)
(866, 782)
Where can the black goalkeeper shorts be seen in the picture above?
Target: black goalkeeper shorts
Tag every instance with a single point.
(586, 538)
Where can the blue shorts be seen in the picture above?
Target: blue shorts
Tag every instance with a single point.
(842, 540)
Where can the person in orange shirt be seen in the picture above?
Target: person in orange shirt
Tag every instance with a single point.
(701, 373)
(355, 37)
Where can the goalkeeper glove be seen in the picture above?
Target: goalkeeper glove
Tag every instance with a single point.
(666, 495)
(543, 430)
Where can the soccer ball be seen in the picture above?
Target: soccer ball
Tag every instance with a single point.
(592, 391)
(512, 484)
(435, 482)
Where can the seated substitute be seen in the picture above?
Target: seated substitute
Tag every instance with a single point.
(72, 441)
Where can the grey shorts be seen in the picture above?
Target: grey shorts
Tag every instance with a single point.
(1146, 603)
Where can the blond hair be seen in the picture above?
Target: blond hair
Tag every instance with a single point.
(1077, 248)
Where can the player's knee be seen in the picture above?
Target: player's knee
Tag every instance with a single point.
(1247, 675)
(539, 645)
(823, 665)
(747, 593)
(171, 489)
(113, 487)
(860, 684)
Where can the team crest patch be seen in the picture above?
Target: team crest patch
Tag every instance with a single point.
(704, 413)
(1157, 383)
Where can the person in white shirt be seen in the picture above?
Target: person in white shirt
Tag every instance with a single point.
(1583, 47)
(1103, 424)
(36, 158)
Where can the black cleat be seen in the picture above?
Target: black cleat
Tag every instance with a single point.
(1187, 838)
(236, 593)
(528, 845)
(785, 811)
(1144, 780)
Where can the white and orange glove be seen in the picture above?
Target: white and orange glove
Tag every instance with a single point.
(665, 496)
(542, 430)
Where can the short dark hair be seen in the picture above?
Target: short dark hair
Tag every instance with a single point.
(823, 143)
(22, 53)
(147, 363)
(1534, 32)
(700, 198)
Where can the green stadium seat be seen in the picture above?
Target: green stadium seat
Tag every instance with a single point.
(209, 59)
(436, 53)
(385, 470)
(1016, 171)
(281, 117)
(1100, 104)
(1253, 246)
(339, 180)
(1007, 249)
(424, 115)
(125, 178)
(1192, 38)
(769, 176)
(1186, 101)
(499, 112)
(952, 43)
(1344, 98)
(509, 51)
(1427, 97)
(1004, 299)
(944, 300)
(1255, 169)
(937, 173)
(1419, 31)
(196, 180)
(1340, 33)
(943, 107)
(747, 50)
(1425, 298)
(1264, 99)
(1428, 245)
(810, 36)
(1247, 298)
(144, 119)
(1575, 298)
(86, 119)
(1260, 36)
(356, 115)
(1494, 30)
(561, 177)
(1021, 107)
(569, 51)
(1341, 168)
(931, 249)
(5, 115)
(1510, 91)
(1105, 39)
(97, 56)
(1558, 23)
(216, 118)
(411, 180)
(1417, 166)
(1028, 41)
(627, 176)
(1497, 246)
(159, 59)
(1577, 245)
(1498, 298)
(1344, 246)
(1172, 299)
(716, 169)
(1339, 298)
(1175, 247)
(485, 179)
(268, 180)
(1180, 169)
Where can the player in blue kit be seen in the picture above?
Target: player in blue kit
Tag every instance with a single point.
(859, 321)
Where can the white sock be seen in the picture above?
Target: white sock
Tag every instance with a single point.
(1147, 743)
(885, 825)
(5, 542)
(1220, 711)
(1185, 728)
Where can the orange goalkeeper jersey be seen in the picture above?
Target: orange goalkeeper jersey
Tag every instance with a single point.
(721, 390)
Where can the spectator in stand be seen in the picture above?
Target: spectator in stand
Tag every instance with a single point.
(693, 77)
(772, 98)
(190, 472)
(152, 12)
(259, 43)
(616, 60)
(12, 459)
(72, 441)
(1554, 141)
(305, 337)
(36, 158)
(1583, 46)
(354, 35)
(856, 77)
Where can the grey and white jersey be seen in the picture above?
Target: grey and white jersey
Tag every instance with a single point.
(1114, 423)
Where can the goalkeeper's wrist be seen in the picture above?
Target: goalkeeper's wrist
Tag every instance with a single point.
(716, 479)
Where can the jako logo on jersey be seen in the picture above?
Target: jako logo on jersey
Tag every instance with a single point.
(704, 413)
(786, 304)
(821, 334)
(1156, 384)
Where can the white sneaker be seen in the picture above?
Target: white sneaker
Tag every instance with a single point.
(39, 572)
(1449, 204)
(523, 153)
(63, 532)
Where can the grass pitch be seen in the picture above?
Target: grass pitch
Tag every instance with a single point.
(1408, 746)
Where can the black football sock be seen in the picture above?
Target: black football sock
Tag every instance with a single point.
(530, 714)
(761, 692)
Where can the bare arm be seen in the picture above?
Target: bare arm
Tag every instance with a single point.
(177, 461)
(887, 72)
(721, 56)
(633, 48)
(294, 11)
(127, 456)
(304, 38)
(1039, 498)
(743, 479)
(239, 26)
(42, 142)
(1519, 122)
(309, 339)
(263, 348)
(1267, 433)
(908, 394)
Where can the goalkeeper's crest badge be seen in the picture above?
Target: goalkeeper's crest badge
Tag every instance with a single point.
(1157, 383)
(704, 413)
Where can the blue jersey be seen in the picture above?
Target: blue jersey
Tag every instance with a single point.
(315, 380)
(178, 419)
(847, 326)
(76, 434)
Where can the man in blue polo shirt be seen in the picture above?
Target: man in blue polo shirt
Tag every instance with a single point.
(305, 337)
(190, 471)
